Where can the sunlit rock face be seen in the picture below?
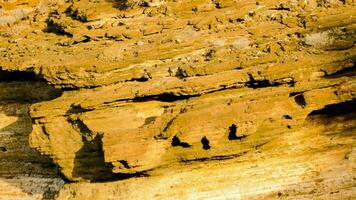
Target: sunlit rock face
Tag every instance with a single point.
(158, 99)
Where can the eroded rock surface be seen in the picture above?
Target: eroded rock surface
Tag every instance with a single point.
(191, 99)
(24, 172)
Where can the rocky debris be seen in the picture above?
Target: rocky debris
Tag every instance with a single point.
(173, 92)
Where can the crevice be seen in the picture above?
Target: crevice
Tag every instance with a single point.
(342, 114)
(89, 162)
(164, 97)
(300, 100)
(21, 164)
(177, 143)
(162, 135)
(252, 83)
(205, 143)
(141, 79)
(173, 96)
(123, 176)
(3, 149)
(81, 127)
(233, 133)
(90, 165)
(10, 76)
(214, 158)
(259, 145)
(238, 20)
(292, 94)
(71, 87)
(345, 72)
(85, 40)
(287, 117)
(169, 123)
(281, 8)
(26, 87)
(76, 109)
(336, 109)
(125, 164)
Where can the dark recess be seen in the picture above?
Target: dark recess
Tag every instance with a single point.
(28, 162)
(89, 163)
(27, 87)
(233, 133)
(336, 109)
(87, 39)
(252, 83)
(281, 8)
(287, 117)
(224, 157)
(162, 135)
(164, 97)
(141, 79)
(177, 143)
(205, 142)
(240, 20)
(125, 164)
(169, 124)
(350, 71)
(300, 100)
(75, 109)
(9, 76)
(84, 130)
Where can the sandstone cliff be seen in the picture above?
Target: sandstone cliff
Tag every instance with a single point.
(184, 99)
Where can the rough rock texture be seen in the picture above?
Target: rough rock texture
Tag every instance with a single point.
(24, 173)
(221, 99)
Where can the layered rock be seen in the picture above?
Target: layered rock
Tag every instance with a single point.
(24, 172)
(193, 99)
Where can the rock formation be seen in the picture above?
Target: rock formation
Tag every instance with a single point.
(184, 99)
(24, 173)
